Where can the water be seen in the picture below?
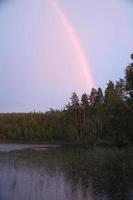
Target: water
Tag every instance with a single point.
(47, 173)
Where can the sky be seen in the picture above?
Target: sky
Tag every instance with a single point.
(50, 48)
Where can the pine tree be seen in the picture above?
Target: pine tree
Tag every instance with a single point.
(120, 88)
(85, 108)
(100, 97)
(129, 80)
(75, 111)
(110, 93)
(93, 97)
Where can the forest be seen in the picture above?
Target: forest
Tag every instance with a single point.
(98, 118)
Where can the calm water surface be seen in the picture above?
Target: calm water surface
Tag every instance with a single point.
(39, 172)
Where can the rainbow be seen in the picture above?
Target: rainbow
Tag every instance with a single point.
(77, 45)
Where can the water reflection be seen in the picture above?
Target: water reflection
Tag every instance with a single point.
(62, 174)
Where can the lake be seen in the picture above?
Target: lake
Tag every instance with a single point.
(47, 172)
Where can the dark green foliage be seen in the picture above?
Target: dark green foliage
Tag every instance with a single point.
(110, 93)
(93, 97)
(93, 119)
(129, 81)
(120, 88)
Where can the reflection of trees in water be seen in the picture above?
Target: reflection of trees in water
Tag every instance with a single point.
(68, 174)
(109, 171)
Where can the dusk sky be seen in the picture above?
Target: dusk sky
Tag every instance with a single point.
(50, 48)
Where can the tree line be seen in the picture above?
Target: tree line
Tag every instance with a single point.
(101, 117)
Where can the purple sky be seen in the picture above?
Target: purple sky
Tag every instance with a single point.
(38, 67)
